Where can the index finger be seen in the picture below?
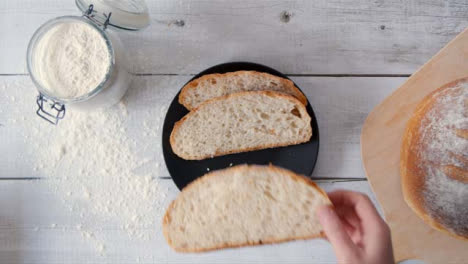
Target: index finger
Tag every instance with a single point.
(362, 205)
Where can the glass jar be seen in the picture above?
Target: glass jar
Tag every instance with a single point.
(128, 15)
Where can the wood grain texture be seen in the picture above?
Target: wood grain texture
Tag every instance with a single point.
(382, 157)
(340, 104)
(30, 234)
(295, 37)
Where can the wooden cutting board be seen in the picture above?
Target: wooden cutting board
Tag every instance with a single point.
(380, 149)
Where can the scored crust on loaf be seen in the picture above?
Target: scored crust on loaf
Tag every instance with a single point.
(434, 159)
(215, 85)
(241, 122)
(244, 205)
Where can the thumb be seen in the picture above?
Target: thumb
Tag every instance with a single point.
(336, 234)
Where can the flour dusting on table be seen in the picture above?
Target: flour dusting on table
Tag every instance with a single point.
(105, 176)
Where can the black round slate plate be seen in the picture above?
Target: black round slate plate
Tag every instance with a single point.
(298, 158)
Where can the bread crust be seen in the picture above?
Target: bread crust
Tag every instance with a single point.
(192, 85)
(294, 176)
(412, 176)
(177, 125)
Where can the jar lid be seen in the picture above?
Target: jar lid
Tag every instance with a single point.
(128, 15)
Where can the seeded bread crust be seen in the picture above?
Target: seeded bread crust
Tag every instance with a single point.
(206, 177)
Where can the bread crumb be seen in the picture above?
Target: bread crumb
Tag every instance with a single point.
(101, 249)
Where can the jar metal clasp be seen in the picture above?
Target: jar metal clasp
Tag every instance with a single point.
(49, 110)
(90, 14)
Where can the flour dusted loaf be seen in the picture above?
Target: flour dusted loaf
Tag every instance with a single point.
(244, 205)
(241, 122)
(434, 159)
(216, 85)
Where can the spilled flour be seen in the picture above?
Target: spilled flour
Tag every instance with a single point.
(93, 168)
(92, 161)
(102, 166)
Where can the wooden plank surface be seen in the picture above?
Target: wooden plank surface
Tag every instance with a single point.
(325, 38)
(340, 104)
(35, 227)
(295, 37)
(31, 234)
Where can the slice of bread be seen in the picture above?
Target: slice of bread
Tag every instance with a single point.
(241, 122)
(244, 205)
(216, 85)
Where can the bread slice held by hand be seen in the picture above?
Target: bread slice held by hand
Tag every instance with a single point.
(244, 205)
(241, 122)
(215, 85)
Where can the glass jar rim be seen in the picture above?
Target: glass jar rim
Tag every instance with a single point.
(38, 35)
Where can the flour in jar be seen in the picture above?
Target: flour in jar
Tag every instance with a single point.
(71, 59)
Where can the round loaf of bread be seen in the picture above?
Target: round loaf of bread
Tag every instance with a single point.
(434, 159)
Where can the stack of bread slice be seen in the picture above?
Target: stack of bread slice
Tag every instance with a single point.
(237, 112)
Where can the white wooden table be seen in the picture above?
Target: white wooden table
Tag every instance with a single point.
(345, 55)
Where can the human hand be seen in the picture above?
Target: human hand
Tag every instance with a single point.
(355, 229)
